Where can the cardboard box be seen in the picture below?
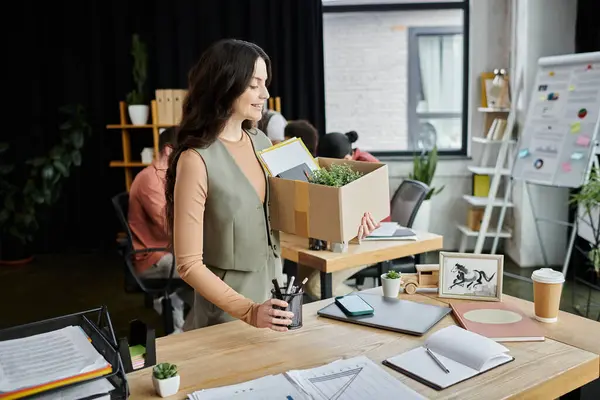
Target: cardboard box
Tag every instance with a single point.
(330, 213)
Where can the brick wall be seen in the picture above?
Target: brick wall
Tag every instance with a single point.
(366, 72)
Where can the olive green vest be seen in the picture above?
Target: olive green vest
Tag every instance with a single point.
(237, 232)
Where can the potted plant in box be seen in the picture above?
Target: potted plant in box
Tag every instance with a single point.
(391, 282)
(136, 101)
(588, 210)
(424, 166)
(165, 379)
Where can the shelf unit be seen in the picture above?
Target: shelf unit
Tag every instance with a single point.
(498, 172)
(127, 163)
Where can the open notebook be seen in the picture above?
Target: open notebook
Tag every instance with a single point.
(391, 231)
(464, 353)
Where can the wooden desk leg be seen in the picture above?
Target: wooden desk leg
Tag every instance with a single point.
(326, 286)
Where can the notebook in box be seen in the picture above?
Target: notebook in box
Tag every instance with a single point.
(465, 354)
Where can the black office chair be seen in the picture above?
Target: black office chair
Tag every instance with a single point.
(405, 205)
(133, 283)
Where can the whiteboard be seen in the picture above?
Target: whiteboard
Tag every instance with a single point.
(562, 122)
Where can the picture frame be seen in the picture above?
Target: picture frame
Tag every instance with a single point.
(471, 276)
(489, 99)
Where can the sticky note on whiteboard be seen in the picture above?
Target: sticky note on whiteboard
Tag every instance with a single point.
(577, 156)
(523, 153)
(583, 141)
(566, 167)
(576, 127)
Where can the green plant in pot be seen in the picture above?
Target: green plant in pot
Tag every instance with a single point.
(165, 379)
(136, 100)
(588, 204)
(391, 282)
(30, 188)
(337, 175)
(424, 167)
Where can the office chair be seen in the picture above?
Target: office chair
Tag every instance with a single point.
(133, 283)
(405, 205)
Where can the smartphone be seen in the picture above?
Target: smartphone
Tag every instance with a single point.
(354, 305)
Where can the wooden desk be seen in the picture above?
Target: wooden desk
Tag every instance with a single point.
(295, 248)
(571, 329)
(234, 352)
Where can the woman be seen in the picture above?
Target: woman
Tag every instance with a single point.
(217, 192)
(339, 145)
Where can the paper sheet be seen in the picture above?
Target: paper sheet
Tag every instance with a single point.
(268, 387)
(356, 378)
(47, 357)
(81, 391)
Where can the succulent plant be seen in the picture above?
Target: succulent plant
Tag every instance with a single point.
(164, 371)
(392, 275)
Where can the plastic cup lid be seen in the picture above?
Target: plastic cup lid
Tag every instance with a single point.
(547, 275)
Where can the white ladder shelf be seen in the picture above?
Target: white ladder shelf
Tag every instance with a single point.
(499, 172)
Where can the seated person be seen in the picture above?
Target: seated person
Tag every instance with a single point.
(335, 145)
(339, 145)
(272, 124)
(305, 131)
(148, 225)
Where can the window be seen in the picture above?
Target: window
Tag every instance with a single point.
(396, 74)
(435, 88)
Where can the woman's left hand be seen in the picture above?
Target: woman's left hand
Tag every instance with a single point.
(367, 226)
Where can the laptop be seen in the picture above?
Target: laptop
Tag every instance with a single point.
(403, 316)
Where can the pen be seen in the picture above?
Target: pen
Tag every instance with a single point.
(277, 289)
(437, 361)
(302, 285)
(291, 285)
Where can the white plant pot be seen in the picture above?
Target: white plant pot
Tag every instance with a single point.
(138, 114)
(421, 222)
(391, 287)
(166, 387)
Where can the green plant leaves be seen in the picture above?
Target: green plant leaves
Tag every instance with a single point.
(424, 168)
(337, 175)
(164, 370)
(42, 186)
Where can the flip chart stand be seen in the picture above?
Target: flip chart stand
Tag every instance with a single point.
(560, 142)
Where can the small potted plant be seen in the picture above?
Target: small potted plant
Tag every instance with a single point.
(424, 167)
(391, 282)
(136, 99)
(165, 379)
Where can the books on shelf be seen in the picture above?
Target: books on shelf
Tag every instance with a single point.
(462, 353)
(37, 363)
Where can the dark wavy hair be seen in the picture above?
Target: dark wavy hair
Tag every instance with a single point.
(221, 75)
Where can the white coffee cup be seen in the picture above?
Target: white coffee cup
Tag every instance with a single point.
(547, 290)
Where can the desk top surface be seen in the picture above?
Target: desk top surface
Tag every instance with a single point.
(295, 248)
(235, 352)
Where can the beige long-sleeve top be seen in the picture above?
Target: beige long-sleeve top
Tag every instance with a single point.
(191, 191)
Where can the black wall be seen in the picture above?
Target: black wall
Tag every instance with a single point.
(78, 52)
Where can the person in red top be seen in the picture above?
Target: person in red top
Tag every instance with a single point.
(147, 222)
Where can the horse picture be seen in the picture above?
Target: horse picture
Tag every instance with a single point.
(471, 276)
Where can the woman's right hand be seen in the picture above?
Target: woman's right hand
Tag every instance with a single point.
(267, 315)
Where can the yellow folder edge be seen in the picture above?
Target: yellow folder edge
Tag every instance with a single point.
(63, 382)
(259, 153)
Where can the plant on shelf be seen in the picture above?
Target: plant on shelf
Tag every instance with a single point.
(588, 202)
(38, 185)
(165, 379)
(136, 99)
(424, 166)
(337, 175)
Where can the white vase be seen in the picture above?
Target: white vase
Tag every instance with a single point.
(421, 222)
(166, 387)
(138, 114)
(391, 287)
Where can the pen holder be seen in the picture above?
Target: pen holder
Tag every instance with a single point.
(295, 302)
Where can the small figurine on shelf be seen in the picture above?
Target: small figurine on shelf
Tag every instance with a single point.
(317, 244)
(165, 379)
